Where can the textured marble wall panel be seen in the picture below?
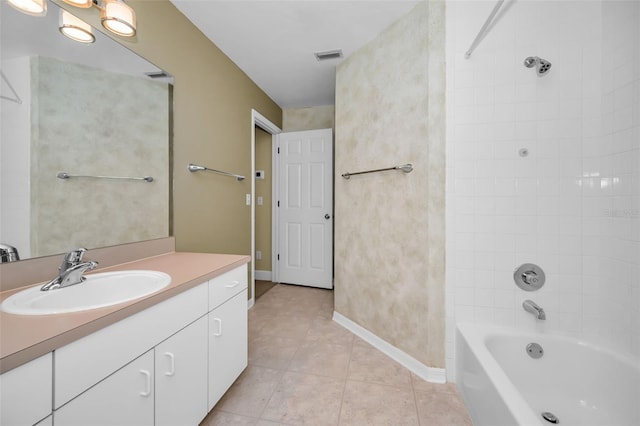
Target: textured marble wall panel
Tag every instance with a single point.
(389, 271)
(312, 118)
(87, 121)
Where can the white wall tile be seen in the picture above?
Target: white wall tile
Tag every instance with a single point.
(572, 204)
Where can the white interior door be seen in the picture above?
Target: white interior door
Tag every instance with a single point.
(305, 208)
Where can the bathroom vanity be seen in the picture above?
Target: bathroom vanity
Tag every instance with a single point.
(164, 359)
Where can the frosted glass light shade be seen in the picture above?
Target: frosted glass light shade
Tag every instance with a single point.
(75, 28)
(80, 3)
(30, 7)
(118, 18)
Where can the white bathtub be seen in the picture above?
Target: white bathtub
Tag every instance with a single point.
(581, 384)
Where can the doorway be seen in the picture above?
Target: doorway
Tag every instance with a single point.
(310, 234)
(259, 121)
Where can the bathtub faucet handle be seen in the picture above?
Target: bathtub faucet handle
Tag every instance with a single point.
(530, 277)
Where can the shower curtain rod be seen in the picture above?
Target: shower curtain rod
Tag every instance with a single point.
(196, 168)
(483, 30)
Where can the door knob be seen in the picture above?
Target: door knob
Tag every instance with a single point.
(327, 216)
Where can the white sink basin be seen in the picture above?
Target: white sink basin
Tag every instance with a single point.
(99, 290)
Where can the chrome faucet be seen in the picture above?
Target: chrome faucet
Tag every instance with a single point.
(531, 306)
(71, 270)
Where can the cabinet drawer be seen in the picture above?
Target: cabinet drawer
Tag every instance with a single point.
(25, 392)
(85, 362)
(227, 285)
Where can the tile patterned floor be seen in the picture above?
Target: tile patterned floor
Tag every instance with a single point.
(304, 369)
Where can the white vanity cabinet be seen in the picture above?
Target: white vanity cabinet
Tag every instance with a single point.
(85, 362)
(164, 386)
(124, 398)
(227, 331)
(166, 365)
(25, 392)
(227, 345)
(167, 384)
(181, 380)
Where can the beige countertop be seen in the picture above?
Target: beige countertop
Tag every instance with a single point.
(26, 337)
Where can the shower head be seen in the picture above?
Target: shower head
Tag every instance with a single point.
(542, 66)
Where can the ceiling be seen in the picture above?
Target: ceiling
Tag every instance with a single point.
(274, 42)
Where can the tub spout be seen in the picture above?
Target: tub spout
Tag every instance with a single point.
(531, 306)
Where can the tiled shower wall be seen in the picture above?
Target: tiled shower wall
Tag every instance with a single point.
(545, 169)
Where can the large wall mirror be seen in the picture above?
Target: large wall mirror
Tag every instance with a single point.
(89, 110)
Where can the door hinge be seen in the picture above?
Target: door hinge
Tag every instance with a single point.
(278, 203)
(278, 150)
(278, 256)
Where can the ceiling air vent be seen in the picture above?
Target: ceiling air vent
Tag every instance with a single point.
(329, 54)
(157, 74)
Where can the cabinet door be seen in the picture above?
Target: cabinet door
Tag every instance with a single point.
(25, 392)
(181, 379)
(227, 345)
(124, 398)
(83, 363)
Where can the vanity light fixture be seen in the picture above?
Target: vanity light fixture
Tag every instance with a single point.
(75, 28)
(115, 15)
(118, 17)
(30, 7)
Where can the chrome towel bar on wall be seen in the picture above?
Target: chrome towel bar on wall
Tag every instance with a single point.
(196, 168)
(407, 168)
(65, 175)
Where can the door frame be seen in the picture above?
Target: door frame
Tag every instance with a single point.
(265, 124)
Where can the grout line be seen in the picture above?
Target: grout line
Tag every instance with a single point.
(415, 398)
(344, 388)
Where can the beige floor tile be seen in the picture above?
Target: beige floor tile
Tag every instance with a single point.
(304, 399)
(304, 308)
(293, 327)
(420, 384)
(269, 423)
(441, 409)
(220, 418)
(256, 325)
(371, 404)
(250, 393)
(328, 331)
(266, 307)
(272, 351)
(306, 369)
(370, 365)
(322, 359)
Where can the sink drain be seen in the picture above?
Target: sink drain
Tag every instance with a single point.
(550, 417)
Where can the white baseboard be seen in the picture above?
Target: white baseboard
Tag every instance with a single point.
(263, 275)
(430, 374)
